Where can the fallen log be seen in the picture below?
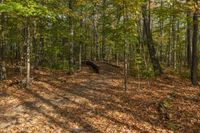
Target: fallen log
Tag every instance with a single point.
(91, 64)
(113, 65)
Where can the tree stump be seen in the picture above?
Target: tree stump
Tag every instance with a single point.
(3, 75)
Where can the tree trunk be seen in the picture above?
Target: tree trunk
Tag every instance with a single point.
(161, 35)
(194, 66)
(189, 37)
(103, 49)
(41, 51)
(2, 39)
(81, 46)
(125, 50)
(28, 45)
(174, 50)
(149, 40)
(71, 51)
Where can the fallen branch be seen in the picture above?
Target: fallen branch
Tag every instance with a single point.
(92, 65)
(116, 66)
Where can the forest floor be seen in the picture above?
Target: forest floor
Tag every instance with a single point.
(88, 102)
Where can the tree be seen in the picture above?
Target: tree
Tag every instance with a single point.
(27, 10)
(125, 47)
(71, 26)
(103, 49)
(189, 36)
(194, 66)
(149, 40)
(59, 35)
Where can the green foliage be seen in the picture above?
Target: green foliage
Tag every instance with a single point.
(142, 70)
(172, 125)
(119, 20)
(167, 103)
(148, 73)
(26, 9)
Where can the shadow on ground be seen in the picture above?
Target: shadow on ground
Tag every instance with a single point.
(89, 102)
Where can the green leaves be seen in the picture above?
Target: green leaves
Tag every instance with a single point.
(26, 9)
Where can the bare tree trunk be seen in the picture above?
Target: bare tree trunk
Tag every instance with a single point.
(71, 51)
(2, 39)
(189, 37)
(125, 49)
(103, 49)
(194, 66)
(118, 16)
(81, 46)
(161, 35)
(178, 48)
(174, 41)
(35, 46)
(95, 35)
(169, 48)
(41, 51)
(154, 60)
(28, 45)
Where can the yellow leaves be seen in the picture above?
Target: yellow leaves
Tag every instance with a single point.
(85, 2)
(81, 2)
(65, 10)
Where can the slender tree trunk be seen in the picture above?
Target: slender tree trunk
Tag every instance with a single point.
(161, 35)
(35, 47)
(80, 56)
(169, 48)
(28, 50)
(71, 51)
(125, 50)
(142, 37)
(103, 49)
(173, 41)
(2, 39)
(194, 66)
(178, 48)
(81, 46)
(118, 16)
(95, 44)
(85, 45)
(189, 37)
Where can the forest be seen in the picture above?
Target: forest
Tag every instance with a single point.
(99, 66)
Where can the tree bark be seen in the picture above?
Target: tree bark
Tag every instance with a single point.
(71, 51)
(103, 49)
(194, 66)
(189, 37)
(2, 39)
(149, 40)
(28, 50)
(125, 49)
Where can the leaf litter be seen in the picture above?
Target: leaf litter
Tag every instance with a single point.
(89, 102)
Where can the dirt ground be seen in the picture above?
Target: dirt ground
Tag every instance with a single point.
(88, 102)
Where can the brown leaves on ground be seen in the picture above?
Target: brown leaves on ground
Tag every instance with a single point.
(89, 102)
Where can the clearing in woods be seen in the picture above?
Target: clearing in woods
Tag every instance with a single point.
(96, 103)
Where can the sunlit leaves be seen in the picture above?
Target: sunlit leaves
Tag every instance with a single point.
(27, 9)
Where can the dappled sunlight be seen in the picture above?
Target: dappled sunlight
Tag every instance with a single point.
(92, 102)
